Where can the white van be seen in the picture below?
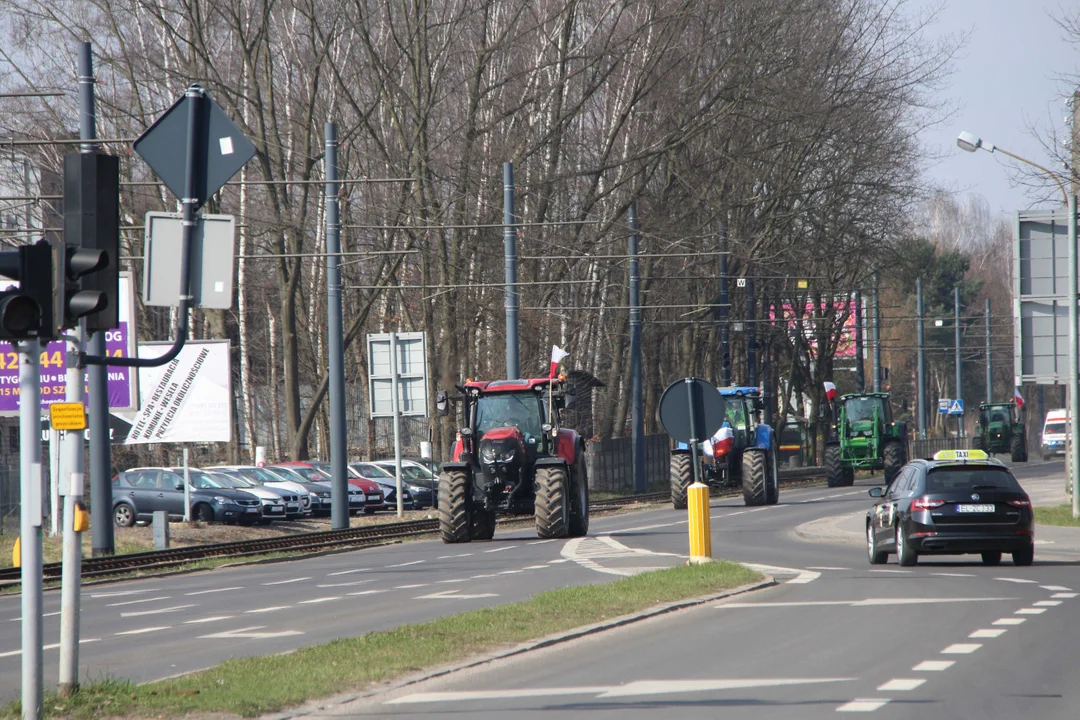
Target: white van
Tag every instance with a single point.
(1055, 429)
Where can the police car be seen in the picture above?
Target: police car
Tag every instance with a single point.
(962, 502)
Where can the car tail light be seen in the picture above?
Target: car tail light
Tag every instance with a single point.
(1025, 503)
(925, 503)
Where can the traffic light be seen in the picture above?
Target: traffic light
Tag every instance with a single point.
(91, 225)
(26, 312)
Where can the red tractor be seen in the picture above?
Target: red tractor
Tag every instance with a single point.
(512, 457)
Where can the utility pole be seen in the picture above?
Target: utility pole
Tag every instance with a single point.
(959, 372)
(725, 310)
(751, 337)
(876, 337)
(860, 371)
(989, 374)
(921, 400)
(513, 367)
(30, 519)
(637, 416)
(339, 487)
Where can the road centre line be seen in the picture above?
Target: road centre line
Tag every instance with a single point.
(407, 564)
(138, 613)
(215, 590)
(934, 665)
(140, 631)
(144, 600)
(901, 684)
(863, 705)
(286, 582)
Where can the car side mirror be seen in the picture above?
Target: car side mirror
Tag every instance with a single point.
(442, 403)
(876, 492)
(179, 486)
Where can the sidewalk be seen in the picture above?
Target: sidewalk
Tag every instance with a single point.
(850, 528)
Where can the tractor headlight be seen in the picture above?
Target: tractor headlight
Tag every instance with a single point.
(487, 454)
(508, 455)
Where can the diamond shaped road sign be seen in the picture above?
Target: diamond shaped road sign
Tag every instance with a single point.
(220, 148)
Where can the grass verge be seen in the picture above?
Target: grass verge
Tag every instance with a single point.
(261, 684)
(1056, 515)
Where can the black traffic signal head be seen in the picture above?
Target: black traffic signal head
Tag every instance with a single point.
(77, 302)
(26, 312)
(91, 224)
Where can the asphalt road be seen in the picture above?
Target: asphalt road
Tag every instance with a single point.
(153, 628)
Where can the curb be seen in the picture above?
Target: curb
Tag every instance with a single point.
(316, 707)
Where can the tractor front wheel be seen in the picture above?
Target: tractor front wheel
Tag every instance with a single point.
(894, 459)
(755, 476)
(552, 508)
(834, 468)
(977, 443)
(1018, 448)
(482, 525)
(454, 520)
(681, 473)
(579, 498)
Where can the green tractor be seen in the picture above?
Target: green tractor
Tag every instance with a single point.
(864, 436)
(1001, 430)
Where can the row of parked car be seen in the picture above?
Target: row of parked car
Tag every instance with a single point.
(247, 494)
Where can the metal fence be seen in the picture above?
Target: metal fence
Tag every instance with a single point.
(611, 463)
(927, 448)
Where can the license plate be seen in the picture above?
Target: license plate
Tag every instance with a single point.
(974, 508)
(293, 506)
(252, 510)
(276, 509)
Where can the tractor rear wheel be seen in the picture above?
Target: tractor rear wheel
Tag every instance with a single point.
(834, 468)
(755, 476)
(772, 485)
(454, 520)
(977, 443)
(894, 459)
(579, 498)
(681, 473)
(552, 504)
(1018, 448)
(482, 526)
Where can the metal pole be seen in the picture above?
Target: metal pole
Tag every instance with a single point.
(101, 522)
(921, 400)
(637, 415)
(860, 371)
(513, 368)
(30, 519)
(876, 337)
(1074, 357)
(725, 310)
(751, 338)
(959, 362)
(395, 384)
(695, 440)
(989, 374)
(55, 508)
(339, 498)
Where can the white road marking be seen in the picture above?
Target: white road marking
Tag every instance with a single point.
(1023, 581)
(414, 562)
(127, 592)
(13, 653)
(52, 614)
(824, 567)
(823, 497)
(802, 576)
(249, 632)
(479, 577)
(559, 560)
(734, 513)
(447, 557)
(215, 590)
(539, 542)
(1009, 621)
(535, 567)
(199, 621)
(346, 572)
(1047, 603)
(499, 549)
(345, 584)
(144, 600)
(453, 595)
(510, 572)
(1030, 611)
(642, 527)
(1064, 595)
(895, 572)
(987, 633)
(137, 613)
(961, 649)
(954, 574)
(863, 705)
(869, 602)
(901, 684)
(1059, 588)
(365, 592)
(454, 580)
(934, 665)
(410, 587)
(320, 600)
(140, 631)
(286, 582)
(267, 609)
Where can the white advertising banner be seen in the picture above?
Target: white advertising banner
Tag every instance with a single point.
(186, 400)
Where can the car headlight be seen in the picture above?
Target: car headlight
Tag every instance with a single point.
(487, 454)
(220, 499)
(324, 494)
(415, 489)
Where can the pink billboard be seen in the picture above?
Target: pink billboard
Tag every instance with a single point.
(813, 315)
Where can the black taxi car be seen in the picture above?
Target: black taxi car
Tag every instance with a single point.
(959, 503)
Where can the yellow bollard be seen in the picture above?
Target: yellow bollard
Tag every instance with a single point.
(697, 500)
(16, 553)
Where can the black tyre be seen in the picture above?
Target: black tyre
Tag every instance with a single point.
(124, 515)
(1018, 448)
(203, 513)
(834, 468)
(755, 476)
(895, 458)
(369, 511)
(454, 507)
(977, 443)
(1024, 557)
(681, 473)
(772, 487)
(991, 558)
(482, 525)
(876, 556)
(265, 521)
(552, 504)
(905, 554)
(848, 476)
(579, 498)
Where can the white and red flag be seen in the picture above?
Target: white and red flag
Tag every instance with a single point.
(557, 355)
(1019, 400)
(830, 391)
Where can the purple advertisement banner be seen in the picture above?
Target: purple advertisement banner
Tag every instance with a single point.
(54, 374)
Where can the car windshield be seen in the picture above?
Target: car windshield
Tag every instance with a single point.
(233, 481)
(287, 473)
(521, 410)
(371, 471)
(969, 478)
(408, 472)
(859, 409)
(204, 481)
(1056, 428)
(999, 415)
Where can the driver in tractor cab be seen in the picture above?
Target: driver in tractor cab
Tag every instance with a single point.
(998, 415)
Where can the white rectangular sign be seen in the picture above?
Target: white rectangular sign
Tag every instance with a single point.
(412, 375)
(186, 400)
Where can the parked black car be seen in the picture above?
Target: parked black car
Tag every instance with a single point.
(961, 502)
(138, 493)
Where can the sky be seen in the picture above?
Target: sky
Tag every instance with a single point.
(1005, 79)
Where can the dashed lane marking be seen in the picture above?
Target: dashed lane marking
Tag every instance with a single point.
(540, 542)
(452, 580)
(52, 614)
(868, 602)
(535, 567)
(1058, 588)
(1065, 595)
(863, 705)
(481, 577)
(1009, 621)
(987, 633)
(1022, 581)
(454, 595)
(824, 567)
(120, 593)
(216, 618)
(901, 684)
(347, 572)
(407, 564)
(135, 602)
(214, 590)
(410, 587)
(954, 574)
(142, 631)
(894, 572)
(286, 582)
(1030, 611)
(315, 601)
(156, 611)
(365, 592)
(934, 665)
(447, 557)
(499, 549)
(250, 632)
(558, 561)
(354, 583)
(1047, 603)
(274, 608)
(13, 653)
(961, 649)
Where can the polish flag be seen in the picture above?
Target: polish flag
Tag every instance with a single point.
(557, 355)
(723, 441)
(1019, 400)
(830, 391)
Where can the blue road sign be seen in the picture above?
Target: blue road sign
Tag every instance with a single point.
(956, 407)
(943, 406)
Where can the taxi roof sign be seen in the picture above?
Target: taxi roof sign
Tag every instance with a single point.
(67, 416)
(961, 455)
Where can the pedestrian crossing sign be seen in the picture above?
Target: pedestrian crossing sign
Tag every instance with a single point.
(956, 407)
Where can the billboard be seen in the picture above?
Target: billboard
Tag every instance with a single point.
(120, 342)
(412, 374)
(186, 400)
(811, 316)
(1041, 297)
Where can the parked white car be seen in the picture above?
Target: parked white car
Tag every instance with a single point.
(264, 477)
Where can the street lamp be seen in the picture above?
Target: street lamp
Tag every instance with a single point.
(971, 142)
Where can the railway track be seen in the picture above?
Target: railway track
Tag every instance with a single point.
(350, 537)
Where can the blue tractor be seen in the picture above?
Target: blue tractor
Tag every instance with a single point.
(743, 453)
